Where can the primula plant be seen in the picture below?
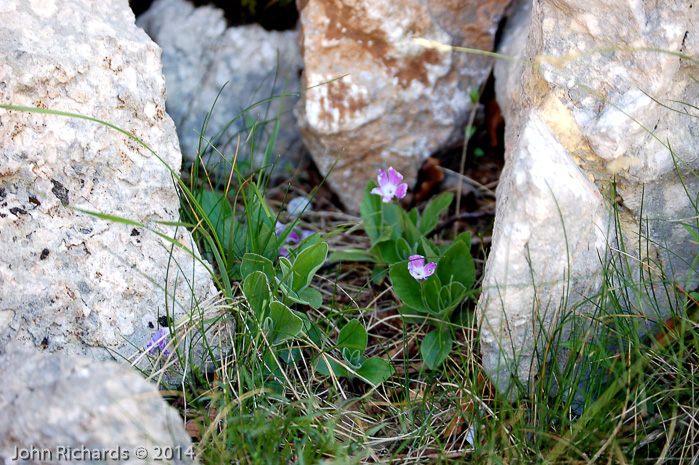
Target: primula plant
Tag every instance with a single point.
(351, 344)
(271, 292)
(276, 263)
(431, 281)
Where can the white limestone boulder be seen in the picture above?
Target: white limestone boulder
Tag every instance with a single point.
(68, 280)
(391, 101)
(590, 125)
(246, 64)
(66, 409)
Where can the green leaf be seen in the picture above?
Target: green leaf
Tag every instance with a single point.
(430, 217)
(375, 370)
(387, 234)
(387, 252)
(452, 292)
(215, 205)
(271, 365)
(371, 213)
(474, 94)
(427, 249)
(451, 296)
(464, 237)
(391, 214)
(378, 274)
(260, 201)
(409, 230)
(456, 265)
(351, 255)
(253, 262)
(218, 211)
(285, 323)
(432, 295)
(352, 357)
(414, 216)
(336, 368)
(353, 337)
(310, 296)
(313, 332)
(407, 287)
(402, 249)
(313, 239)
(289, 356)
(306, 265)
(257, 293)
(268, 244)
(435, 348)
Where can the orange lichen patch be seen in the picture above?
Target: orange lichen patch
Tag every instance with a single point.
(341, 97)
(415, 68)
(350, 23)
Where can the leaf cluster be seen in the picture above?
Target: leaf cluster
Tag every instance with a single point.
(397, 235)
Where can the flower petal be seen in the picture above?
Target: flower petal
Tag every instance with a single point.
(377, 191)
(402, 190)
(429, 269)
(293, 238)
(416, 261)
(383, 180)
(394, 177)
(159, 341)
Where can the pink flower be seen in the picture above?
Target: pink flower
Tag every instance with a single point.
(390, 186)
(418, 269)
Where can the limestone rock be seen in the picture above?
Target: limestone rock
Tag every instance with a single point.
(69, 280)
(594, 109)
(393, 102)
(60, 408)
(201, 55)
(508, 73)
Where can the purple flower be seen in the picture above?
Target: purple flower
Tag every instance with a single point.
(418, 269)
(159, 341)
(390, 186)
(293, 238)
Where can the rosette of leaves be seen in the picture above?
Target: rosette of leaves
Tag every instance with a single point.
(230, 237)
(436, 298)
(293, 275)
(351, 363)
(270, 318)
(270, 292)
(394, 233)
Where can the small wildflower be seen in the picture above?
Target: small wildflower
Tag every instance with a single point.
(159, 341)
(418, 269)
(293, 238)
(390, 185)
